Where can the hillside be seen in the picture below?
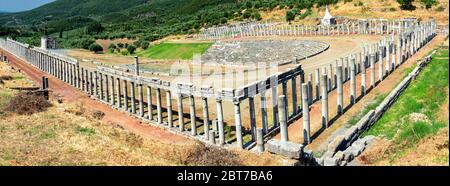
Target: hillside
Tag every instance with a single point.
(79, 23)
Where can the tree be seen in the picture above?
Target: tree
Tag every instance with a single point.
(95, 48)
(131, 49)
(429, 3)
(256, 16)
(406, 4)
(290, 16)
(94, 27)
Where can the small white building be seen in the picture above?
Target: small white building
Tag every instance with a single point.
(328, 19)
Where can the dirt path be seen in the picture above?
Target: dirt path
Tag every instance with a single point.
(70, 94)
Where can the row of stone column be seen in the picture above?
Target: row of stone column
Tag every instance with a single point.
(385, 53)
(371, 26)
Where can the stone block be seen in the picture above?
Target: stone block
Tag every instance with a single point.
(330, 161)
(287, 149)
(339, 155)
(328, 154)
(336, 143)
(343, 163)
(349, 133)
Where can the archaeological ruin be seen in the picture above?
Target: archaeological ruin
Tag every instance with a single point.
(272, 104)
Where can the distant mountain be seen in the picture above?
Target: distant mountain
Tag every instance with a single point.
(61, 9)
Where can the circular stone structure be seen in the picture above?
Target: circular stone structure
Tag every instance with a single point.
(261, 51)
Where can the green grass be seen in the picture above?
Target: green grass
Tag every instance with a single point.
(425, 95)
(184, 51)
(372, 105)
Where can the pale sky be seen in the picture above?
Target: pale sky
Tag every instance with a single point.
(20, 5)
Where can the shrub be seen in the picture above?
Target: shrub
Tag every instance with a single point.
(120, 45)
(145, 45)
(440, 9)
(406, 4)
(429, 3)
(27, 104)
(98, 114)
(124, 52)
(210, 156)
(131, 49)
(112, 46)
(95, 48)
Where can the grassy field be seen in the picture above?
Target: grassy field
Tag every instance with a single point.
(417, 115)
(171, 51)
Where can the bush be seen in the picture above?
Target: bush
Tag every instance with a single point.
(95, 48)
(98, 114)
(27, 104)
(120, 45)
(406, 4)
(112, 46)
(210, 156)
(124, 52)
(440, 9)
(85, 43)
(145, 45)
(131, 49)
(429, 3)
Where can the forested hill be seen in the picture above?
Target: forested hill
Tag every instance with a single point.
(144, 19)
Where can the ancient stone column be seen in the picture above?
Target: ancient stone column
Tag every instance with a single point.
(324, 101)
(212, 137)
(282, 107)
(252, 114)
(340, 92)
(310, 89)
(125, 95)
(192, 112)
(205, 117)
(294, 95)
(141, 100)
(133, 97)
(274, 105)
(169, 112)
(335, 74)
(88, 84)
(317, 83)
(264, 122)
(149, 103)
(180, 112)
(380, 64)
(284, 89)
(238, 124)
(159, 105)
(91, 91)
(119, 97)
(79, 86)
(136, 65)
(305, 110)
(113, 97)
(220, 121)
(352, 81)
(260, 140)
(95, 84)
(372, 70)
(329, 75)
(107, 88)
(82, 79)
(388, 57)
